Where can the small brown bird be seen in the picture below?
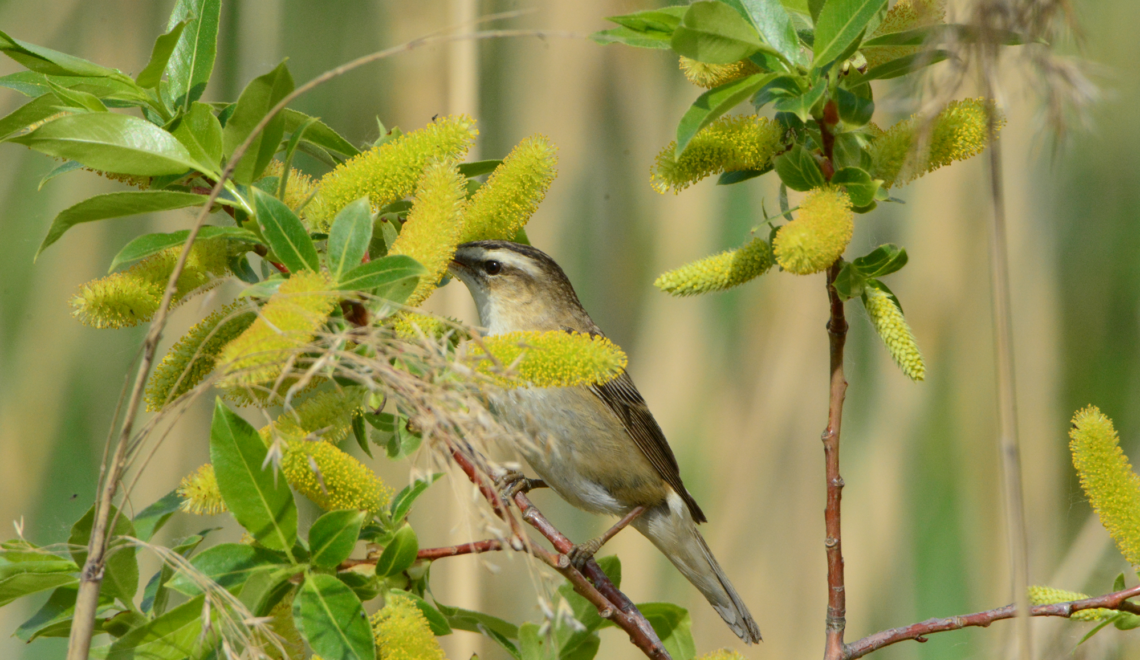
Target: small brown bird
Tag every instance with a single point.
(598, 447)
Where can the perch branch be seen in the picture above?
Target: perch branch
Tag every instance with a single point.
(918, 631)
(836, 590)
(473, 548)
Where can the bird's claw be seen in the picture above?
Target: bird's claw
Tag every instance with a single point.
(584, 552)
(512, 482)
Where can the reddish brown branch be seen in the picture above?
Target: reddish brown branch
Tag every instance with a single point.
(918, 631)
(598, 589)
(836, 594)
(473, 548)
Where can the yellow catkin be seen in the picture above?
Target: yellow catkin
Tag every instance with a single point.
(200, 494)
(552, 359)
(956, 133)
(327, 414)
(390, 172)
(132, 296)
(192, 358)
(726, 145)
(410, 326)
(905, 15)
(402, 632)
(502, 207)
(285, 325)
(819, 234)
(297, 189)
(1107, 478)
(708, 76)
(434, 225)
(722, 654)
(718, 272)
(1049, 596)
(331, 478)
(892, 327)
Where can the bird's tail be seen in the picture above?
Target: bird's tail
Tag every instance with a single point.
(670, 527)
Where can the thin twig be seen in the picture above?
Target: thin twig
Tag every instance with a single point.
(91, 577)
(836, 589)
(473, 548)
(918, 631)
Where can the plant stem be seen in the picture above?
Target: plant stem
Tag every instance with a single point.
(836, 590)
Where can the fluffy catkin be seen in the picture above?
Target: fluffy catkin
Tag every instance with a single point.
(726, 145)
(390, 172)
(434, 225)
(718, 272)
(819, 234)
(708, 76)
(328, 414)
(409, 326)
(200, 494)
(502, 207)
(888, 321)
(285, 325)
(402, 632)
(1107, 478)
(1049, 595)
(905, 15)
(956, 133)
(297, 189)
(551, 359)
(331, 478)
(132, 296)
(192, 358)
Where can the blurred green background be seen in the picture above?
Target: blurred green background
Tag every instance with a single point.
(738, 381)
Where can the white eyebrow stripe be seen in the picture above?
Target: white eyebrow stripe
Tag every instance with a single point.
(515, 260)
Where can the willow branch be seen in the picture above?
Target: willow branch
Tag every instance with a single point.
(918, 631)
(836, 589)
(473, 548)
(591, 583)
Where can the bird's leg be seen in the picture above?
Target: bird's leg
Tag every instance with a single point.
(583, 552)
(511, 482)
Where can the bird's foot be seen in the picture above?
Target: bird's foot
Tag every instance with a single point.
(584, 552)
(513, 482)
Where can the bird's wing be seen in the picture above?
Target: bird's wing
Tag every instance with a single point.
(625, 401)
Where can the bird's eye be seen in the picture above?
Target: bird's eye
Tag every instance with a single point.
(492, 267)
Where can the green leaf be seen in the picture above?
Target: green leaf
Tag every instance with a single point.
(150, 244)
(151, 519)
(201, 133)
(882, 261)
(673, 625)
(471, 621)
(28, 83)
(23, 573)
(400, 553)
(1126, 621)
(151, 74)
(349, 237)
(155, 594)
(53, 619)
(624, 35)
(402, 502)
(773, 22)
(285, 233)
(478, 168)
(1094, 631)
(1118, 583)
(798, 170)
(333, 620)
(176, 635)
(814, 8)
(256, 100)
(50, 62)
(73, 98)
(120, 569)
(839, 25)
(715, 33)
(35, 110)
(711, 105)
(436, 620)
(854, 110)
(117, 205)
(111, 142)
(740, 176)
(258, 498)
(801, 104)
(333, 536)
(403, 442)
(190, 65)
(644, 29)
(228, 564)
(59, 170)
(899, 67)
(849, 283)
(319, 133)
(389, 275)
(861, 188)
(360, 433)
(964, 34)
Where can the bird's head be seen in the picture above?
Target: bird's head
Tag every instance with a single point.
(518, 287)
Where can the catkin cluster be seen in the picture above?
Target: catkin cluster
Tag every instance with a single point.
(818, 235)
(957, 133)
(499, 209)
(708, 75)
(905, 15)
(402, 632)
(1107, 478)
(550, 359)
(432, 231)
(728, 144)
(200, 494)
(888, 321)
(718, 272)
(332, 479)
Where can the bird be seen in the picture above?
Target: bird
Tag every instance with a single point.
(598, 447)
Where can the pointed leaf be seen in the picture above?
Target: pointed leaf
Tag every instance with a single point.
(201, 133)
(150, 244)
(229, 565)
(190, 65)
(624, 35)
(176, 635)
(319, 133)
(773, 22)
(27, 573)
(333, 620)
(111, 142)
(839, 25)
(400, 553)
(74, 98)
(259, 96)
(711, 105)
(674, 626)
(50, 62)
(120, 569)
(151, 74)
(117, 205)
(151, 519)
(798, 170)
(258, 498)
(390, 273)
(715, 33)
(899, 67)
(402, 502)
(333, 535)
(35, 110)
(861, 188)
(285, 234)
(349, 237)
